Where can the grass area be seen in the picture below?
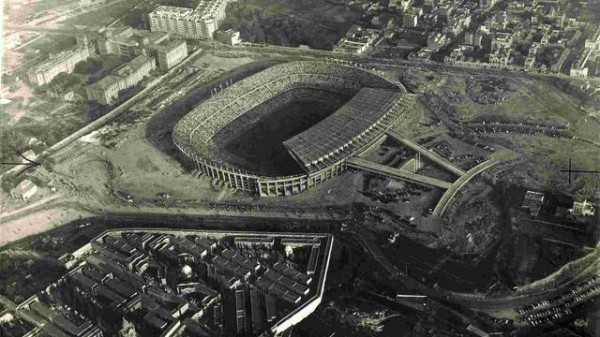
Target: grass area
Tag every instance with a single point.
(316, 23)
(503, 155)
(52, 44)
(550, 155)
(552, 101)
(532, 100)
(46, 121)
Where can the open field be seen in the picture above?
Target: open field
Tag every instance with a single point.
(416, 123)
(52, 44)
(215, 63)
(522, 100)
(124, 159)
(316, 23)
(102, 16)
(35, 223)
(144, 171)
(546, 157)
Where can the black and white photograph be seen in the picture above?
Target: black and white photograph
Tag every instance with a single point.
(300, 168)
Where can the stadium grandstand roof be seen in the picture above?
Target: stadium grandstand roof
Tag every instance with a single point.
(194, 133)
(337, 131)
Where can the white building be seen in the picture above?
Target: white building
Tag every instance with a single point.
(106, 90)
(198, 23)
(63, 62)
(169, 54)
(583, 208)
(229, 36)
(25, 190)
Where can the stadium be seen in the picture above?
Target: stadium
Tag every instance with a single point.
(289, 127)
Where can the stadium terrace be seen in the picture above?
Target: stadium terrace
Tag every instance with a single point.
(321, 151)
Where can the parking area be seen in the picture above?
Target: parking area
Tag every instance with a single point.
(562, 306)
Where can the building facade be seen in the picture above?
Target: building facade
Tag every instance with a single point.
(198, 23)
(63, 62)
(106, 90)
(118, 42)
(229, 36)
(170, 54)
(127, 42)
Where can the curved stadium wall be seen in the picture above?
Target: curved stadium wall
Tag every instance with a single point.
(193, 134)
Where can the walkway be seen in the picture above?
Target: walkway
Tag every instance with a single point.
(391, 172)
(458, 184)
(427, 153)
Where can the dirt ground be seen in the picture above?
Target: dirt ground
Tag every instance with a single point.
(213, 63)
(36, 223)
(417, 123)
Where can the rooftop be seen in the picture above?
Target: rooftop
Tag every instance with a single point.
(55, 59)
(133, 65)
(106, 82)
(205, 9)
(143, 269)
(346, 124)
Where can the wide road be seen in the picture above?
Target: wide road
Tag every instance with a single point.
(391, 172)
(458, 184)
(373, 62)
(427, 153)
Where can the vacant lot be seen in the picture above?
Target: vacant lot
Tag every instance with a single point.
(548, 156)
(522, 100)
(51, 44)
(103, 16)
(417, 123)
(316, 23)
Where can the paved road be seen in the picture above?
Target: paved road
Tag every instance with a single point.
(401, 63)
(370, 62)
(427, 153)
(458, 184)
(391, 172)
